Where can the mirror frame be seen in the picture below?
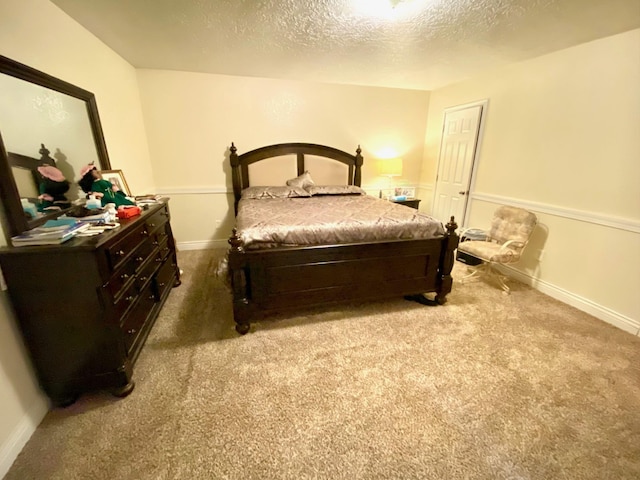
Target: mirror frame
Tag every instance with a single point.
(16, 222)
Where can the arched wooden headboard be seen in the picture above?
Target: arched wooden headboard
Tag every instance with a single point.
(240, 163)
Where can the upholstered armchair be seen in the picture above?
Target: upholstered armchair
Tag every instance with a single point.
(509, 234)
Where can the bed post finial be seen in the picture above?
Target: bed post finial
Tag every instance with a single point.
(451, 226)
(44, 151)
(357, 177)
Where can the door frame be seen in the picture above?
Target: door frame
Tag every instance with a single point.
(484, 103)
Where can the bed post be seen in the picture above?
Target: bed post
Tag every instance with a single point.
(237, 264)
(447, 257)
(235, 176)
(357, 180)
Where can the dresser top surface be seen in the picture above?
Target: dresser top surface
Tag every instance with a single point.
(89, 243)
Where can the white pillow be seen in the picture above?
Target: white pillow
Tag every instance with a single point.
(302, 181)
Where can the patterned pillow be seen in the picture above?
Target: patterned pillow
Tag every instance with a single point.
(274, 192)
(302, 181)
(336, 190)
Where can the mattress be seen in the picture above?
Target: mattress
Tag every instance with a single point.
(329, 220)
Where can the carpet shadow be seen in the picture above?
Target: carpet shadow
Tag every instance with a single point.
(200, 310)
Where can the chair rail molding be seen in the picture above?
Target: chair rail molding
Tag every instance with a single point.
(212, 190)
(571, 213)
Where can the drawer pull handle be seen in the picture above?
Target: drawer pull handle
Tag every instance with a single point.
(124, 276)
(120, 253)
(131, 331)
(144, 233)
(152, 297)
(158, 260)
(162, 284)
(155, 244)
(143, 279)
(139, 259)
(152, 225)
(130, 298)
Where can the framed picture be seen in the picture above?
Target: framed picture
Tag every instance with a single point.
(116, 177)
(409, 192)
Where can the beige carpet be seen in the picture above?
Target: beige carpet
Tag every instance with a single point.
(487, 387)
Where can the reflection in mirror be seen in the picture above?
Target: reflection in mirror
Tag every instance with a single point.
(37, 109)
(31, 115)
(27, 186)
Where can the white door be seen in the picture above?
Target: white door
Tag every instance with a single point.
(458, 147)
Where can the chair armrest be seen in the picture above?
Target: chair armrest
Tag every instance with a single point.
(508, 243)
(464, 230)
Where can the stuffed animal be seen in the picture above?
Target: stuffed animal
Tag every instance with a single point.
(92, 183)
(52, 188)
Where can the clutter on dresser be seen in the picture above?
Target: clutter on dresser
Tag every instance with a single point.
(105, 186)
(128, 211)
(53, 234)
(80, 212)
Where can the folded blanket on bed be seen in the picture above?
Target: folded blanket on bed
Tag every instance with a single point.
(328, 220)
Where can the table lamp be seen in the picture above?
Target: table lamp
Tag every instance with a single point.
(390, 167)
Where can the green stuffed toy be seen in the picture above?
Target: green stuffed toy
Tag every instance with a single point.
(52, 189)
(92, 183)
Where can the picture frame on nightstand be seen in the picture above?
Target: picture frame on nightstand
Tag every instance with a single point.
(407, 192)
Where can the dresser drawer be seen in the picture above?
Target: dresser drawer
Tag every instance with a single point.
(157, 220)
(124, 301)
(120, 279)
(150, 268)
(165, 277)
(120, 251)
(143, 252)
(136, 317)
(130, 269)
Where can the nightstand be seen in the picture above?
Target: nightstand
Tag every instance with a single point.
(409, 202)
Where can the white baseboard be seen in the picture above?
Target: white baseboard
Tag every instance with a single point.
(603, 313)
(21, 434)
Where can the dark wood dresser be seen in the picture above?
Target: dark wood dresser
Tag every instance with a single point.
(86, 307)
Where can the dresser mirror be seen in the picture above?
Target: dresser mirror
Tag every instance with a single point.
(43, 120)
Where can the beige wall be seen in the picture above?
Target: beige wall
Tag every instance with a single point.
(560, 133)
(561, 138)
(38, 34)
(192, 118)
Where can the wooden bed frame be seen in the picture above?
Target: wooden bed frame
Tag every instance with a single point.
(274, 279)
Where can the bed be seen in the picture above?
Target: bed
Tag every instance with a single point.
(281, 270)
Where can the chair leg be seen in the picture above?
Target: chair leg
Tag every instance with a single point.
(501, 279)
(487, 268)
(474, 271)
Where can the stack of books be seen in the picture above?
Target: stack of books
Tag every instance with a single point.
(49, 235)
(102, 216)
(147, 199)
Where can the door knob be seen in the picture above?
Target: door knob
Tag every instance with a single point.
(462, 192)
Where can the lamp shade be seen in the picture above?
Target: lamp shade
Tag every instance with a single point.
(391, 167)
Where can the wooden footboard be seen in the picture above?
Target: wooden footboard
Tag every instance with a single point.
(276, 279)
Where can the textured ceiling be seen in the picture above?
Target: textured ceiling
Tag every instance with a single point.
(416, 44)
